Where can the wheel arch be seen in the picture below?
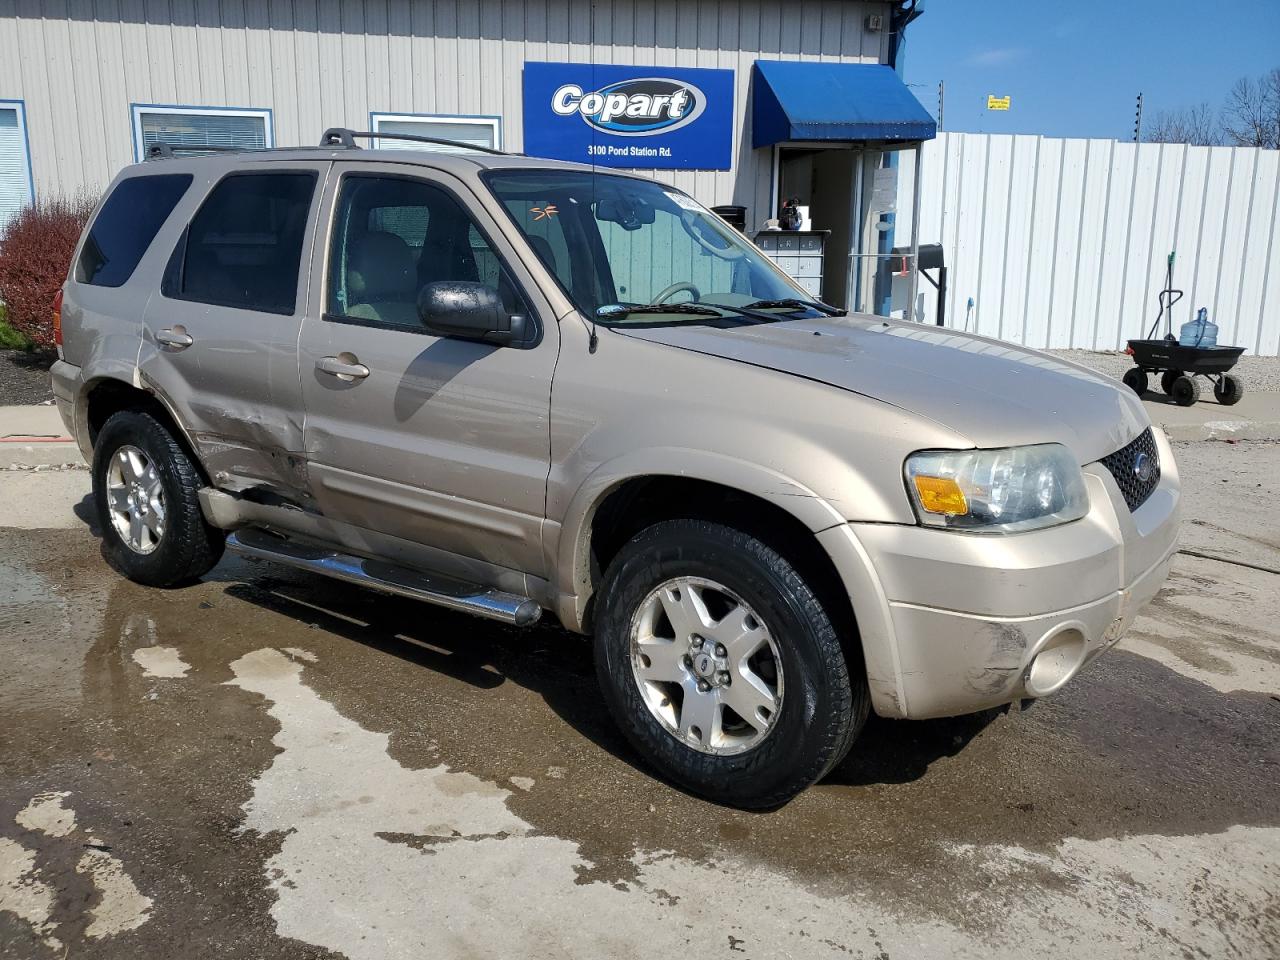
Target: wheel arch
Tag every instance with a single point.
(108, 395)
(616, 504)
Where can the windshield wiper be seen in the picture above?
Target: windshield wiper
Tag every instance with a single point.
(797, 304)
(624, 310)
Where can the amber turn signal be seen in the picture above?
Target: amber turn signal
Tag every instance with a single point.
(941, 495)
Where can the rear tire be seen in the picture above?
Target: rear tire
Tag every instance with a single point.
(1228, 390)
(793, 720)
(1136, 380)
(146, 494)
(1167, 380)
(1186, 391)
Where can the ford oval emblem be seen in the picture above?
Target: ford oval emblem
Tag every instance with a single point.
(1143, 467)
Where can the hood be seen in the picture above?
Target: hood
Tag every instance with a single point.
(992, 393)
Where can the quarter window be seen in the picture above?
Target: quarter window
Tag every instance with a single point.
(125, 227)
(243, 246)
(393, 236)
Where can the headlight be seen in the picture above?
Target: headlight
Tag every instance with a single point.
(997, 491)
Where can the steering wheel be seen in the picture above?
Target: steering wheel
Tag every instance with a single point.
(675, 288)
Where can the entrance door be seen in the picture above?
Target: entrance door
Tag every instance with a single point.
(826, 180)
(435, 440)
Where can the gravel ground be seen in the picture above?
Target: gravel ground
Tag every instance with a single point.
(1260, 374)
(24, 377)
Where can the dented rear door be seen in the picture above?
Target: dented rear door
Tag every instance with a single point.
(221, 335)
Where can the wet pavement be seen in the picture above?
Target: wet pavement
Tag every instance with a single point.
(271, 765)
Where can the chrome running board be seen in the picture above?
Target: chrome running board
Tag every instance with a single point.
(387, 577)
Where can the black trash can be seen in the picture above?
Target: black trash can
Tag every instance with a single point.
(736, 216)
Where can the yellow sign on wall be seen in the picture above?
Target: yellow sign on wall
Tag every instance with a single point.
(997, 103)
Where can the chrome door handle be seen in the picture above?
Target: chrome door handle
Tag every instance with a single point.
(176, 338)
(349, 370)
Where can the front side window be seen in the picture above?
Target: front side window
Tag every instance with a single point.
(617, 244)
(244, 245)
(392, 236)
(125, 227)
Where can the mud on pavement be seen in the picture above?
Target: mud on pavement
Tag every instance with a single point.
(270, 765)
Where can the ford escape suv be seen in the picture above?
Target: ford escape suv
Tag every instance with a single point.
(517, 387)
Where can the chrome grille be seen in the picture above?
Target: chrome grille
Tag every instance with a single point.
(1127, 465)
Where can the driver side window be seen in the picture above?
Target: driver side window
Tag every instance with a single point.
(393, 236)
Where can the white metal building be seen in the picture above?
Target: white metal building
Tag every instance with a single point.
(87, 85)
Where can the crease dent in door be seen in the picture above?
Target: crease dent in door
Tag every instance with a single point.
(260, 444)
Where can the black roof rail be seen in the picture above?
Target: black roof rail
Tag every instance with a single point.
(342, 137)
(160, 150)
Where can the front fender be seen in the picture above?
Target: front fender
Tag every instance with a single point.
(570, 550)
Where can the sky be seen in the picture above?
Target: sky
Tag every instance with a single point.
(1074, 68)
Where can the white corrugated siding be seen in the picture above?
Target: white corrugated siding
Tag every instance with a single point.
(321, 63)
(1063, 243)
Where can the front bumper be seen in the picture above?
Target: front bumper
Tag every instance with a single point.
(952, 623)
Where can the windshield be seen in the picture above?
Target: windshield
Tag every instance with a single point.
(618, 245)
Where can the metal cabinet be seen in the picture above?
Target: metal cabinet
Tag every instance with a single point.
(798, 253)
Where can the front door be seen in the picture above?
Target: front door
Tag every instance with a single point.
(221, 334)
(438, 441)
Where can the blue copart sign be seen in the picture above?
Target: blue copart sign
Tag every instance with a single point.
(666, 118)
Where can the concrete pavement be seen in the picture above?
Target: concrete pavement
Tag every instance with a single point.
(33, 435)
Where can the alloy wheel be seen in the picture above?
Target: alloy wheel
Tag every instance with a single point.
(706, 665)
(135, 499)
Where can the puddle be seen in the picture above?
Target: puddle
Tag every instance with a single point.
(434, 862)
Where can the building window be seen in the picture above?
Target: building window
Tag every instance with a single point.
(15, 161)
(189, 128)
(476, 131)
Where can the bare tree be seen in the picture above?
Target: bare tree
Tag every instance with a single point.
(1198, 126)
(1251, 115)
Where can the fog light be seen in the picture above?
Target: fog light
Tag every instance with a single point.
(1057, 662)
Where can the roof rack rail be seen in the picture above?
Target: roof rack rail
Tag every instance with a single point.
(342, 137)
(161, 150)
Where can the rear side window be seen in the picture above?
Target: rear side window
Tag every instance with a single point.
(243, 246)
(126, 225)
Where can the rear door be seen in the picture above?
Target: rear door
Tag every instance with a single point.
(439, 441)
(220, 336)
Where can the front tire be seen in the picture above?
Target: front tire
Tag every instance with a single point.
(146, 493)
(721, 665)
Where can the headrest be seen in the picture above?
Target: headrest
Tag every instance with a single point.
(381, 268)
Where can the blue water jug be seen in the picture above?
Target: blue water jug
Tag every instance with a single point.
(1200, 332)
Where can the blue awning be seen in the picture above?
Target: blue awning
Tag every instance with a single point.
(794, 100)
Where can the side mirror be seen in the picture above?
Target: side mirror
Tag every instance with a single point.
(468, 311)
